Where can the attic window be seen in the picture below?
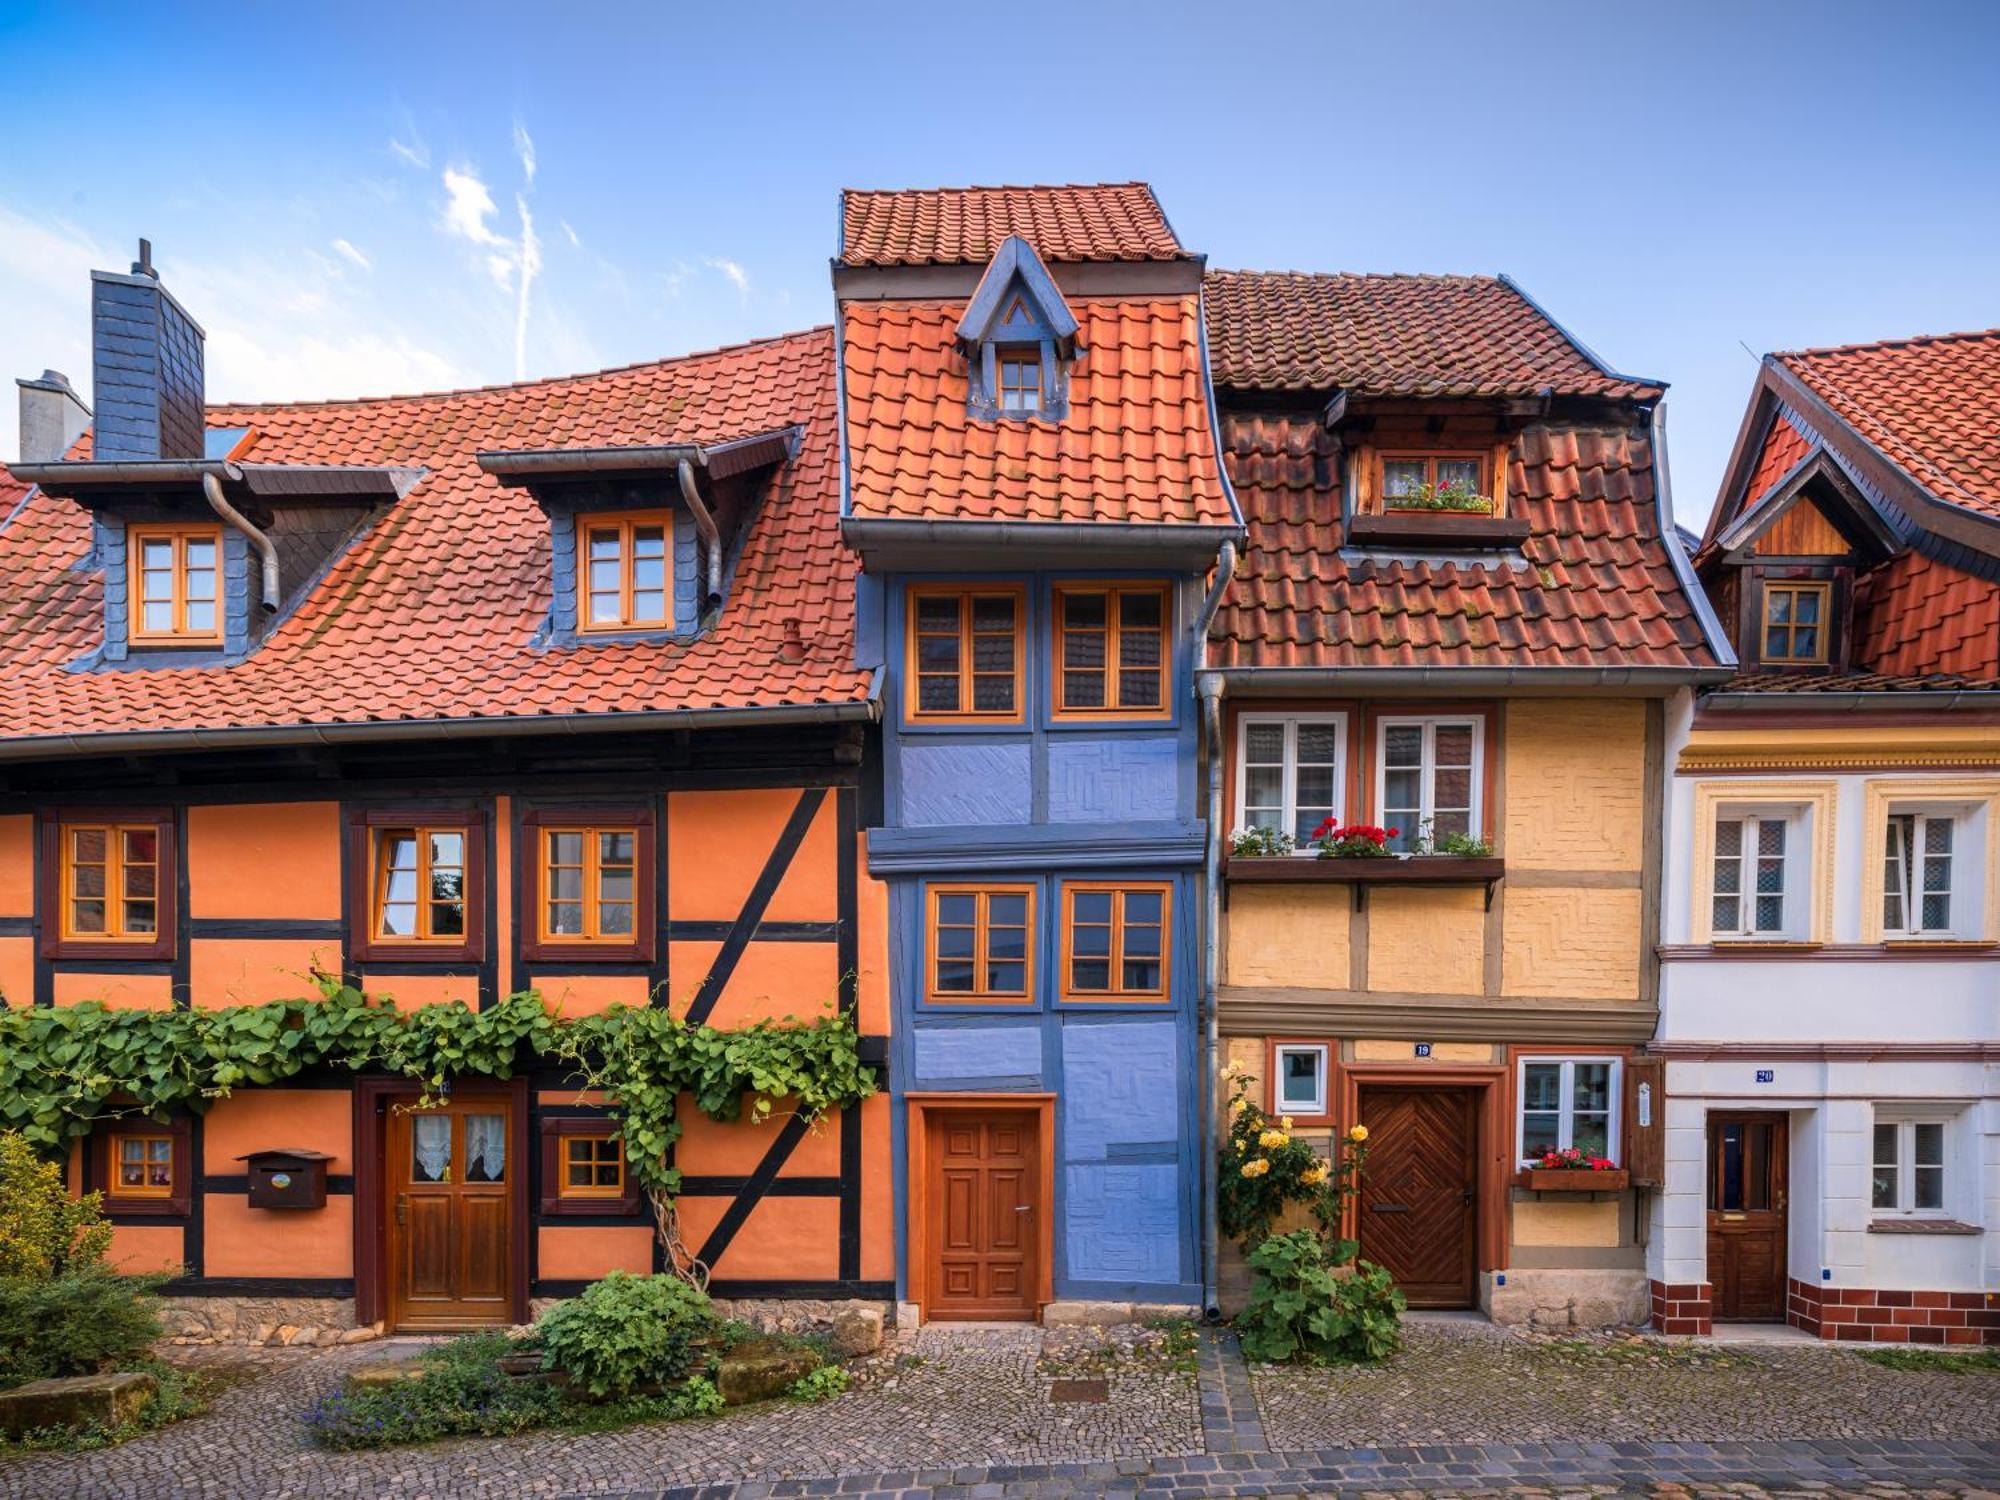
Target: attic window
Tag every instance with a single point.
(625, 578)
(1020, 381)
(1795, 622)
(174, 583)
(1019, 339)
(1453, 483)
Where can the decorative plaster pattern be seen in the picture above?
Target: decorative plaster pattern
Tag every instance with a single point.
(1121, 1082)
(999, 1051)
(1427, 942)
(1112, 780)
(1123, 1222)
(959, 784)
(1572, 942)
(1292, 935)
(1575, 783)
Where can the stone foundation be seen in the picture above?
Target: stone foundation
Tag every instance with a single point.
(1561, 1298)
(1870, 1315)
(273, 1321)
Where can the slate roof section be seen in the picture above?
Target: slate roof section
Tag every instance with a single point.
(433, 613)
(1137, 445)
(1931, 404)
(1599, 589)
(1396, 335)
(1105, 221)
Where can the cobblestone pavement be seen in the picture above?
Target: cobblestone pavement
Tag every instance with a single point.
(966, 1414)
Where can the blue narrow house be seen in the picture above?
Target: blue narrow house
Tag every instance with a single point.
(1031, 480)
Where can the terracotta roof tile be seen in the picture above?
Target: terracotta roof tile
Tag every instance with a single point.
(433, 613)
(1931, 404)
(1597, 588)
(1136, 446)
(1784, 446)
(1109, 221)
(1858, 682)
(1914, 615)
(1440, 336)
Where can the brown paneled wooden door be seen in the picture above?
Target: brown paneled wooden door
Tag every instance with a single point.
(1419, 1199)
(1747, 1157)
(450, 1214)
(983, 1207)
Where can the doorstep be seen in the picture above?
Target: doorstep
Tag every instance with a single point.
(1752, 1333)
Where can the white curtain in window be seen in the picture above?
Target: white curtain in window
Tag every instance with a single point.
(431, 1145)
(485, 1148)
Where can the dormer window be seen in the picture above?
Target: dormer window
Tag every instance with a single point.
(625, 570)
(1019, 338)
(1795, 623)
(1020, 381)
(175, 585)
(1444, 482)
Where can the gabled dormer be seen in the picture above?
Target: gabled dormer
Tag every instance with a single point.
(1019, 338)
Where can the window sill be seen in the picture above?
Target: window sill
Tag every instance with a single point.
(1922, 1226)
(1937, 944)
(1764, 945)
(1436, 529)
(1415, 869)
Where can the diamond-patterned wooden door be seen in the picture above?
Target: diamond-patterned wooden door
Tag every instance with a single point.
(1420, 1193)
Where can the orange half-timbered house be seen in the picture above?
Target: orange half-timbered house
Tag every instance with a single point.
(541, 686)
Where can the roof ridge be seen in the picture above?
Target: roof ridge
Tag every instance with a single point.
(1896, 343)
(498, 387)
(1000, 187)
(1472, 276)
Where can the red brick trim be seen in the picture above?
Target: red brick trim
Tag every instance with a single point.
(1875, 1315)
(1683, 1306)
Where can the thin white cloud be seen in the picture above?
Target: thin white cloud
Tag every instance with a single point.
(468, 205)
(418, 155)
(575, 241)
(524, 148)
(739, 277)
(347, 251)
(531, 264)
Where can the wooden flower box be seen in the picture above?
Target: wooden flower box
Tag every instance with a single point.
(1417, 869)
(1570, 1180)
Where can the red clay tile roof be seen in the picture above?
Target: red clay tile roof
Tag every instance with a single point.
(1784, 446)
(1137, 445)
(1917, 616)
(964, 226)
(1443, 336)
(1931, 404)
(432, 613)
(1598, 589)
(1857, 682)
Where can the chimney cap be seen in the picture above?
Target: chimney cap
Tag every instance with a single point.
(143, 266)
(48, 380)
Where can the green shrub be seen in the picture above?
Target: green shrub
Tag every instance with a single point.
(43, 1231)
(78, 1323)
(822, 1384)
(626, 1332)
(1300, 1310)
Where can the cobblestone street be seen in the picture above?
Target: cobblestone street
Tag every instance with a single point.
(1466, 1410)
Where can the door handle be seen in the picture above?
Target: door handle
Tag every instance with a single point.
(1388, 1208)
(1024, 1208)
(1469, 1197)
(402, 1208)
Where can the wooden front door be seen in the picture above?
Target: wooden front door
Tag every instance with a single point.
(450, 1213)
(1747, 1156)
(984, 1208)
(1419, 1199)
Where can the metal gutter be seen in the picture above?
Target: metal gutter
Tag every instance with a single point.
(1209, 685)
(145, 741)
(70, 476)
(1089, 536)
(1942, 700)
(519, 465)
(1677, 558)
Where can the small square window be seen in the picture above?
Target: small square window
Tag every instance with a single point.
(1908, 1166)
(142, 1166)
(1299, 1088)
(1116, 941)
(1795, 622)
(593, 1166)
(1569, 1102)
(626, 578)
(174, 585)
(981, 944)
(1020, 377)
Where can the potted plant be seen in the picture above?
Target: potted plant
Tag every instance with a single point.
(1572, 1171)
(1452, 495)
(1336, 840)
(1261, 843)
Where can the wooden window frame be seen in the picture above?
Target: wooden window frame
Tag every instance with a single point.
(965, 713)
(530, 860)
(624, 522)
(1614, 1127)
(1116, 995)
(980, 994)
(364, 825)
(1823, 588)
(1289, 766)
(1114, 591)
(1430, 458)
(1029, 356)
(556, 1199)
(102, 1163)
(179, 533)
(1378, 735)
(56, 940)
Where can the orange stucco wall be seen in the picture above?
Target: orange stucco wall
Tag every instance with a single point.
(17, 866)
(262, 1119)
(17, 970)
(124, 991)
(587, 994)
(577, 1253)
(782, 1239)
(717, 843)
(249, 971)
(139, 1249)
(771, 980)
(239, 1240)
(266, 859)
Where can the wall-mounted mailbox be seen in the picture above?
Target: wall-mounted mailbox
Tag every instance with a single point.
(286, 1177)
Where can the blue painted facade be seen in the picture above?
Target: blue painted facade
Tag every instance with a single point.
(1044, 802)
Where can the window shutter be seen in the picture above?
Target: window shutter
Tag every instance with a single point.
(1646, 1121)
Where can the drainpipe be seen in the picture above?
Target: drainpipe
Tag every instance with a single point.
(212, 488)
(1209, 685)
(704, 525)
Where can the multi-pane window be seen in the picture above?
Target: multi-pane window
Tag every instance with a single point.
(1795, 622)
(980, 941)
(625, 575)
(965, 653)
(174, 580)
(1020, 377)
(1291, 773)
(111, 881)
(1569, 1102)
(1748, 891)
(593, 1166)
(1908, 1160)
(590, 884)
(1301, 1079)
(1115, 941)
(419, 885)
(1111, 651)
(1916, 874)
(142, 1166)
(1421, 480)
(1428, 779)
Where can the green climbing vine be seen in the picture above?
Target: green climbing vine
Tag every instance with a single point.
(65, 1069)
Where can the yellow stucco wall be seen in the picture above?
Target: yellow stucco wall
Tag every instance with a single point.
(1575, 793)
(1289, 935)
(1548, 1222)
(1426, 941)
(1581, 943)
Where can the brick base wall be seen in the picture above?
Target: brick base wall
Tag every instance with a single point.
(1683, 1306)
(1869, 1315)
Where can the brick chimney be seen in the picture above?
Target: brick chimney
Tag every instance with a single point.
(52, 415)
(146, 367)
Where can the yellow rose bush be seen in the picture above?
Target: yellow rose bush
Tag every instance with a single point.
(1266, 1168)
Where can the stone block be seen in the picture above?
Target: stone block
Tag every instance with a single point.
(759, 1369)
(857, 1331)
(75, 1401)
(1079, 1313)
(383, 1373)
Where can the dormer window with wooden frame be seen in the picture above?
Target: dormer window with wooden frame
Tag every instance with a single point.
(1019, 338)
(1435, 483)
(626, 581)
(1796, 621)
(174, 583)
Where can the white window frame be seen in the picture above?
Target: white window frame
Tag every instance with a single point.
(1795, 895)
(1566, 1098)
(1911, 887)
(1289, 811)
(1427, 780)
(1905, 1121)
(1321, 1105)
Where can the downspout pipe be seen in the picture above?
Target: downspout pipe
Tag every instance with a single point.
(211, 487)
(1209, 685)
(705, 528)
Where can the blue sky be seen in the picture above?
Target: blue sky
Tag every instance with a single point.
(350, 197)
